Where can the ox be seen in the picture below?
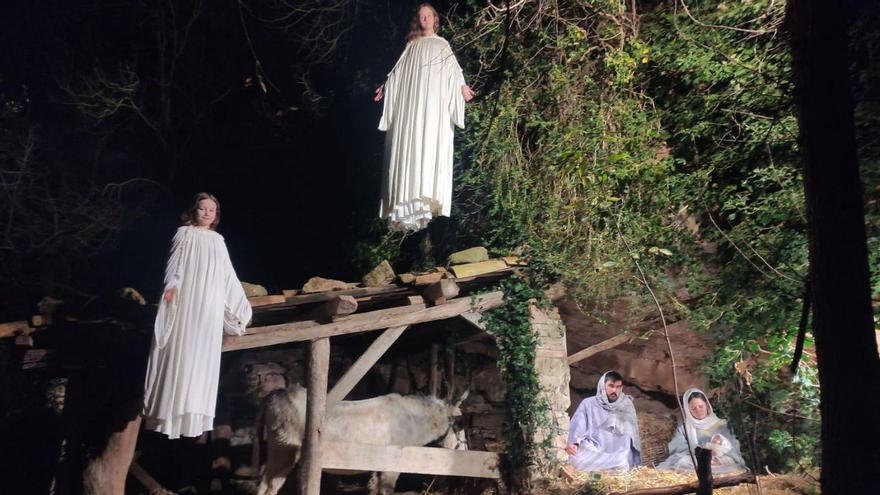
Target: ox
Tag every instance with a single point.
(390, 419)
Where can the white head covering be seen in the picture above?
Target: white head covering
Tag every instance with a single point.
(622, 418)
(692, 424)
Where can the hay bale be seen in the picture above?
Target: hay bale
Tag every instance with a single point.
(605, 482)
(656, 431)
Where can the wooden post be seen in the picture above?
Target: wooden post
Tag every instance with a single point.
(310, 467)
(434, 376)
(450, 374)
(704, 471)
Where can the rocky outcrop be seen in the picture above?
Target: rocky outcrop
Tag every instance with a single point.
(320, 284)
(644, 362)
(383, 274)
(254, 290)
(472, 255)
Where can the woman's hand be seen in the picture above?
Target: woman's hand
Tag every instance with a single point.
(169, 294)
(380, 92)
(467, 92)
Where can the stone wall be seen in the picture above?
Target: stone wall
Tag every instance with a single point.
(551, 362)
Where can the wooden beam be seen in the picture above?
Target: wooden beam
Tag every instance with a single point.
(474, 319)
(258, 301)
(419, 460)
(597, 348)
(363, 365)
(14, 328)
(363, 322)
(487, 276)
(310, 467)
(685, 488)
(428, 278)
(479, 268)
(440, 292)
(356, 293)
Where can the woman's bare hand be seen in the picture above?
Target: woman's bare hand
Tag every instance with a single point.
(169, 294)
(467, 92)
(380, 92)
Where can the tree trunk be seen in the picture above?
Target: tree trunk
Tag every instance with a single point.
(849, 368)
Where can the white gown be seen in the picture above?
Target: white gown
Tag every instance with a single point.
(423, 104)
(180, 391)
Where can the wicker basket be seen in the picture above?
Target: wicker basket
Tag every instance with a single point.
(656, 432)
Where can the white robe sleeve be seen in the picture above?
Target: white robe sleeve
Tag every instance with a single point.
(174, 267)
(578, 427)
(237, 309)
(390, 92)
(454, 81)
(174, 270)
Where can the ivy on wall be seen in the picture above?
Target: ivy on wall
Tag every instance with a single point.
(528, 410)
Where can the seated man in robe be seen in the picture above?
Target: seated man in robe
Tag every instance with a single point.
(604, 432)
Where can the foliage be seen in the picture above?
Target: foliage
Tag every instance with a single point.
(55, 216)
(516, 339)
(676, 123)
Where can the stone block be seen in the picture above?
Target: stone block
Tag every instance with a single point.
(383, 274)
(472, 255)
(253, 290)
(320, 284)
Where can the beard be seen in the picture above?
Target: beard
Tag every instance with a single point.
(612, 397)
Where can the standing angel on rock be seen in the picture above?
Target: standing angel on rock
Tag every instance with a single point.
(202, 299)
(424, 94)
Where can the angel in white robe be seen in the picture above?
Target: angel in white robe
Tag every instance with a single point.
(425, 95)
(604, 430)
(703, 429)
(203, 298)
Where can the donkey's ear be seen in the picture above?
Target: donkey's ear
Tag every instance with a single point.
(462, 398)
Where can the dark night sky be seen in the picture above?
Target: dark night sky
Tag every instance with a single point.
(298, 188)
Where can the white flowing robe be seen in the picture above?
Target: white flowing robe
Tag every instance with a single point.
(606, 433)
(423, 104)
(180, 391)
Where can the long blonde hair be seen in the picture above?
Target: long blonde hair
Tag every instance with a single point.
(415, 27)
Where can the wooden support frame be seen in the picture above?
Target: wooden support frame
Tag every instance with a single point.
(310, 466)
(597, 348)
(14, 328)
(356, 323)
(418, 460)
(363, 365)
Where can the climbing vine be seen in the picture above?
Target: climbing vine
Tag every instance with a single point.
(528, 410)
